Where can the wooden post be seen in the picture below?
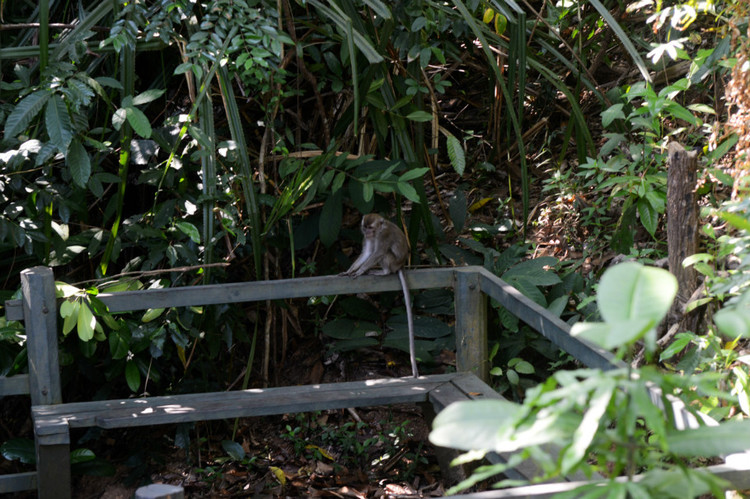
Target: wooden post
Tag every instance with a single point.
(40, 320)
(682, 222)
(471, 325)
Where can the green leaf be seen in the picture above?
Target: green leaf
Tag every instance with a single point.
(118, 118)
(69, 310)
(734, 320)
(24, 112)
(708, 441)
(367, 192)
(456, 154)
(81, 456)
(86, 323)
(612, 335)
(649, 216)
(738, 221)
(19, 448)
(501, 23)
(534, 272)
(380, 8)
(147, 96)
(680, 112)
(346, 329)
(233, 449)
(151, 314)
(138, 121)
(424, 327)
(57, 120)
(79, 163)
(612, 113)
(484, 417)
(590, 424)
(413, 174)
(190, 230)
(132, 376)
(118, 345)
(408, 191)
(419, 116)
(631, 291)
(681, 341)
(524, 367)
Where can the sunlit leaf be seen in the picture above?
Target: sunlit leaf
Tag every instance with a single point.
(86, 323)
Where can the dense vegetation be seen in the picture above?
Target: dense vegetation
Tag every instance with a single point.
(163, 143)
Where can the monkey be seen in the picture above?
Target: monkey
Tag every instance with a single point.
(385, 245)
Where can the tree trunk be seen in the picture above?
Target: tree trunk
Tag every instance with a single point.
(682, 225)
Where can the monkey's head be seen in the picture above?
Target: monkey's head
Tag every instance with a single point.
(372, 224)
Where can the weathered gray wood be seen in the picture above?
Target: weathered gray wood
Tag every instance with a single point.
(17, 482)
(54, 419)
(264, 290)
(14, 385)
(551, 327)
(53, 470)
(471, 324)
(40, 319)
(160, 491)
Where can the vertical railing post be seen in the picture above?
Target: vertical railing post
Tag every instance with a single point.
(40, 320)
(471, 325)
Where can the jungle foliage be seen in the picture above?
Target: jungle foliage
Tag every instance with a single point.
(160, 143)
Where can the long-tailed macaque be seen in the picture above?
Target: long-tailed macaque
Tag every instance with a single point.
(385, 246)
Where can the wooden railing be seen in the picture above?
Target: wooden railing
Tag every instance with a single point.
(472, 286)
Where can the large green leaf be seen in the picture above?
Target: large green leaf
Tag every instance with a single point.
(86, 323)
(132, 376)
(456, 154)
(79, 163)
(57, 120)
(631, 291)
(708, 441)
(138, 121)
(19, 448)
(24, 112)
(484, 417)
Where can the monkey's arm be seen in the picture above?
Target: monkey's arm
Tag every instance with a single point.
(365, 261)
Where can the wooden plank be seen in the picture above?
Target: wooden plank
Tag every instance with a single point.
(471, 324)
(40, 318)
(17, 482)
(551, 327)
(54, 419)
(14, 385)
(238, 292)
(53, 471)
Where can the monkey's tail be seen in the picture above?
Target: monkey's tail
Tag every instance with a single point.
(410, 323)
